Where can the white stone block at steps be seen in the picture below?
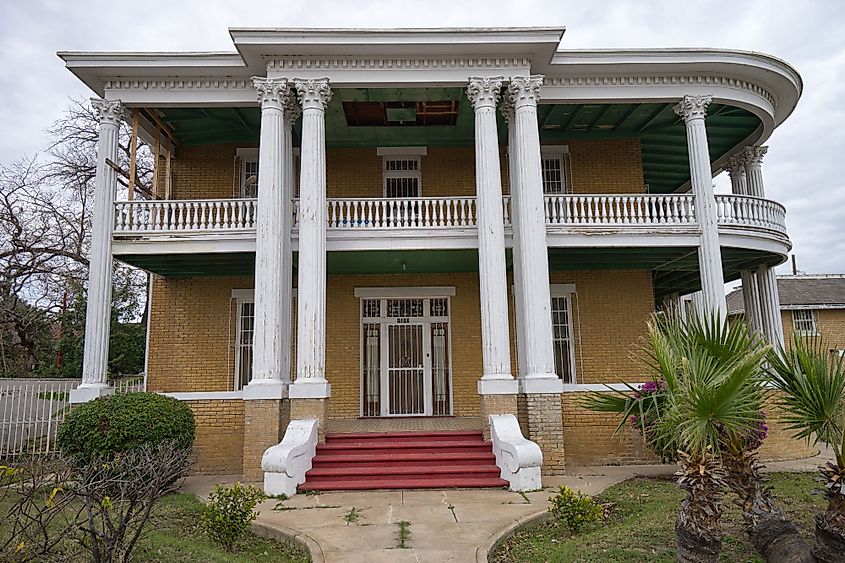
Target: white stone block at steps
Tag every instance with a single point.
(286, 463)
(518, 458)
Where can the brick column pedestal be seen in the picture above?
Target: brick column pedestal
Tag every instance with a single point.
(496, 404)
(541, 420)
(311, 408)
(265, 421)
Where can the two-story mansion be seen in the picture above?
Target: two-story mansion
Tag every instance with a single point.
(447, 231)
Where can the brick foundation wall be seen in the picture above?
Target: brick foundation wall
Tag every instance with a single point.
(264, 425)
(541, 422)
(779, 443)
(218, 445)
(311, 408)
(496, 404)
(590, 437)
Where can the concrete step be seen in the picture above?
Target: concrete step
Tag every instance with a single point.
(407, 483)
(337, 474)
(413, 436)
(408, 459)
(407, 446)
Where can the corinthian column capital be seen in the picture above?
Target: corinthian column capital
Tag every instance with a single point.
(271, 91)
(753, 155)
(693, 107)
(484, 92)
(525, 90)
(109, 112)
(290, 105)
(735, 166)
(314, 93)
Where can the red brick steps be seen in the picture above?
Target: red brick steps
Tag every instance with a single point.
(403, 460)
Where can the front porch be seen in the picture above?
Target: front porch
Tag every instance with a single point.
(397, 424)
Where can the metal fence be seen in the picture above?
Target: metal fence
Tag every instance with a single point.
(31, 412)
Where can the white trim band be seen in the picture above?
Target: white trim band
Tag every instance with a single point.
(390, 292)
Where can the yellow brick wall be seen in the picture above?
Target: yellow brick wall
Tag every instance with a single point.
(610, 311)
(597, 166)
(218, 445)
(606, 166)
(830, 324)
(192, 325)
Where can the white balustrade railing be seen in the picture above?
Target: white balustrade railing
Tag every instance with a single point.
(447, 212)
(619, 209)
(749, 210)
(184, 215)
(398, 213)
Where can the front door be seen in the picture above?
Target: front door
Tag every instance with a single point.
(405, 363)
(407, 370)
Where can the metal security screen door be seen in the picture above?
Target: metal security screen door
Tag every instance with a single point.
(405, 357)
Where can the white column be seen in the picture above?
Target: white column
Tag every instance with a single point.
(271, 338)
(483, 94)
(770, 305)
(292, 113)
(311, 290)
(769, 301)
(98, 309)
(519, 313)
(750, 291)
(753, 157)
(693, 110)
(531, 260)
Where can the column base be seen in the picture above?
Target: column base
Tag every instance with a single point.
(265, 421)
(265, 389)
(311, 408)
(506, 386)
(83, 394)
(495, 403)
(317, 390)
(541, 419)
(541, 384)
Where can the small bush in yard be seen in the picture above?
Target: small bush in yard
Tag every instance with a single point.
(229, 511)
(120, 423)
(574, 510)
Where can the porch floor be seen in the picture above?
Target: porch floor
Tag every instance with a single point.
(430, 423)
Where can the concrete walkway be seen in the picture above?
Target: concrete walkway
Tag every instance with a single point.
(445, 525)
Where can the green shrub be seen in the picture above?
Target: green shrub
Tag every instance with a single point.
(574, 510)
(229, 511)
(123, 422)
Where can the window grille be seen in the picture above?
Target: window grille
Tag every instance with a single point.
(804, 322)
(402, 176)
(405, 308)
(564, 350)
(246, 330)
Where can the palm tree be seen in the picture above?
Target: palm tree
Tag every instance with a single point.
(704, 412)
(812, 380)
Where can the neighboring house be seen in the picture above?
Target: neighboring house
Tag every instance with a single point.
(810, 305)
(475, 223)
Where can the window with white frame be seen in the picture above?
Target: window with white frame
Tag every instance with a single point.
(244, 301)
(804, 322)
(402, 171)
(248, 179)
(555, 168)
(562, 331)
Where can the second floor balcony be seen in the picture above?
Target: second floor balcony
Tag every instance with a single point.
(449, 222)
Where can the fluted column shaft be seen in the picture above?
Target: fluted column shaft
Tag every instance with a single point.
(531, 260)
(750, 290)
(271, 338)
(483, 93)
(771, 323)
(311, 288)
(693, 110)
(513, 177)
(98, 307)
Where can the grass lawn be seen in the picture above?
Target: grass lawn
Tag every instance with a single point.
(641, 525)
(172, 535)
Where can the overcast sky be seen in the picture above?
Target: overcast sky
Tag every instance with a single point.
(801, 169)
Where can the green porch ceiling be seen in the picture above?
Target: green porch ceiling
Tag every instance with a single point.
(662, 133)
(674, 268)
